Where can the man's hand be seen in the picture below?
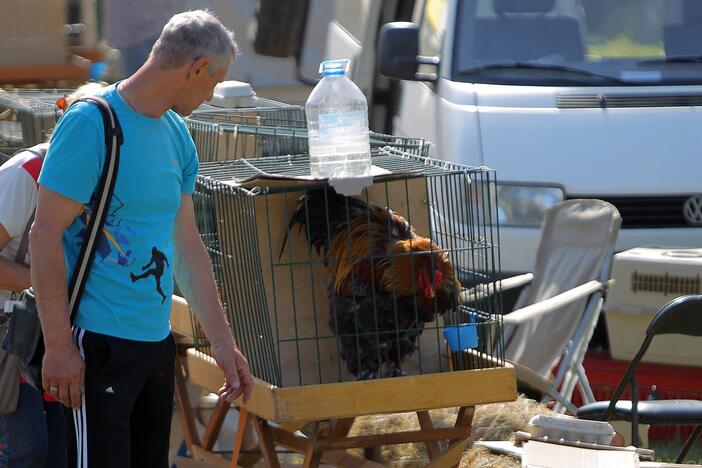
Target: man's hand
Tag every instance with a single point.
(237, 375)
(63, 374)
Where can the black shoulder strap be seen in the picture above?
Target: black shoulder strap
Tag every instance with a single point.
(24, 243)
(103, 195)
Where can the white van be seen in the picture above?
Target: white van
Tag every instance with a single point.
(564, 99)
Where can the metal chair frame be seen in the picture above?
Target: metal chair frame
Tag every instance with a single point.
(683, 316)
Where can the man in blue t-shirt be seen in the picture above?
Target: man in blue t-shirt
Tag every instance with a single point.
(115, 366)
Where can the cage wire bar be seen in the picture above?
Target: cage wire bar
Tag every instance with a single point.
(224, 140)
(275, 287)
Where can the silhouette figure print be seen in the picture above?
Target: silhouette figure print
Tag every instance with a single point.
(157, 259)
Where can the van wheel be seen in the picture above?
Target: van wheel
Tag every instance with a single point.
(280, 27)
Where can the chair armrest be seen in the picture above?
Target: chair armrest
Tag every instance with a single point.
(554, 303)
(483, 290)
(507, 283)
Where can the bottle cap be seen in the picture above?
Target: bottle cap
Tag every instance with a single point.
(334, 67)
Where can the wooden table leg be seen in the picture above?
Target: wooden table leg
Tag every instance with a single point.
(464, 418)
(425, 423)
(340, 428)
(267, 443)
(241, 429)
(312, 455)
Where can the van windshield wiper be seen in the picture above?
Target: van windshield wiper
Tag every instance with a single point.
(675, 59)
(540, 67)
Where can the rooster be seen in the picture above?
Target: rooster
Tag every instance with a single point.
(385, 280)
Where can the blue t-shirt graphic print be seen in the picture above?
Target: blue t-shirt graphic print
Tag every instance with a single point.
(128, 293)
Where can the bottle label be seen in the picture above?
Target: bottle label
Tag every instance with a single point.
(341, 124)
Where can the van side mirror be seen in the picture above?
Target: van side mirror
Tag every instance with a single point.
(398, 53)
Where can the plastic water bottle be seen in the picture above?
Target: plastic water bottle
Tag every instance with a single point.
(337, 123)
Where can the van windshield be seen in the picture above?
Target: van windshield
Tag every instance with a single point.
(579, 42)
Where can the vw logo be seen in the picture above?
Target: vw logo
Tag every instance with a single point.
(692, 210)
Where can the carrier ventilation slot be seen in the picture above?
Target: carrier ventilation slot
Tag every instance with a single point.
(665, 283)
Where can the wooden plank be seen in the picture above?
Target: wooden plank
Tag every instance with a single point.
(345, 459)
(451, 457)
(350, 399)
(205, 373)
(293, 426)
(201, 454)
(391, 438)
(185, 410)
(332, 457)
(180, 317)
(184, 462)
(19, 74)
(425, 423)
(266, 440)
(214, 424)
(392, 395)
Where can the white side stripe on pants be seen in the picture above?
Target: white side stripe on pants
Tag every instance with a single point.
(79, 421)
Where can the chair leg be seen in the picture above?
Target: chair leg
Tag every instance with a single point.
(689, 443)
(584, 385)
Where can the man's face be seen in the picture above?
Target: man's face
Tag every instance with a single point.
(199, 89)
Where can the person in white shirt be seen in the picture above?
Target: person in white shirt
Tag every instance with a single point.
(32, 424)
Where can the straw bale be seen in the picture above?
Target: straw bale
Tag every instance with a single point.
(498, 421)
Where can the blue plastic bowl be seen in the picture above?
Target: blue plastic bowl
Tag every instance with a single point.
(461, 337)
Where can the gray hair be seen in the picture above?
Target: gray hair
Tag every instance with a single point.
(194, 34)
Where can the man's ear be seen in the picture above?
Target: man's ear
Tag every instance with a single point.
(198, 67)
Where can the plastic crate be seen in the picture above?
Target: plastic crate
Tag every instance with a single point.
(645, 280)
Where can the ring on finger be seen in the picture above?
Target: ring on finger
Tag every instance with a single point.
(53, 389)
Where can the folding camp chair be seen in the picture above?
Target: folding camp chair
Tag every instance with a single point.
(680, 316)
(547, 334)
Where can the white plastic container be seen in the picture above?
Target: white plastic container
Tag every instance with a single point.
(337, 121)
(233, 93)
(570, 429)
(645, 280)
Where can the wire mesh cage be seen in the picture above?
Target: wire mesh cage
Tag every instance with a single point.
(322, 288)
(261, 111)
(27, 117)
(222, 140)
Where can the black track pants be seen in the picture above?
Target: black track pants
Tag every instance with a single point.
(125, 417)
